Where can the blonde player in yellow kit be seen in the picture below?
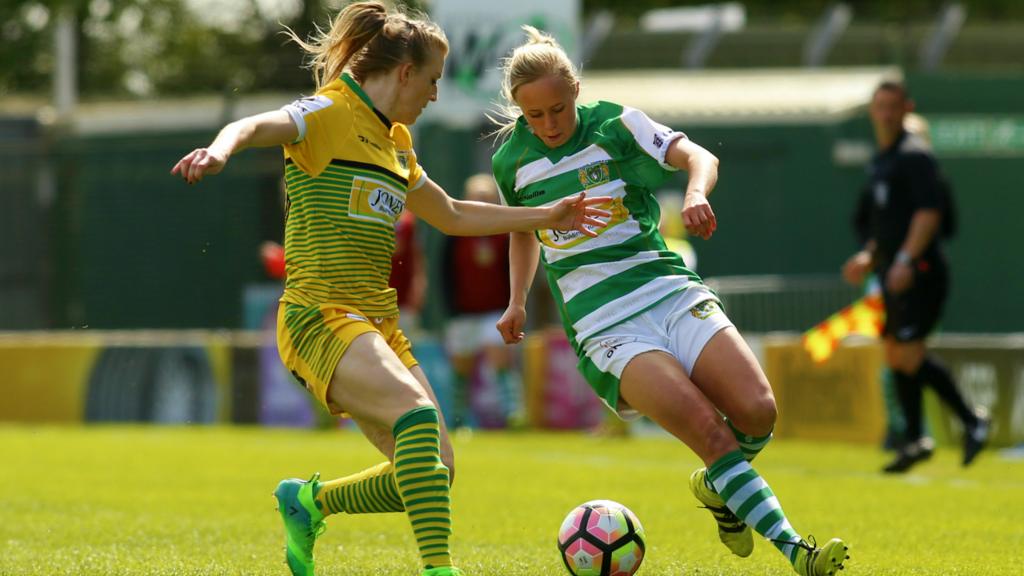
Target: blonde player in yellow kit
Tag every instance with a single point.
(351, 171)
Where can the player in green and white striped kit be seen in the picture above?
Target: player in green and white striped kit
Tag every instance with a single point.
(651, 338)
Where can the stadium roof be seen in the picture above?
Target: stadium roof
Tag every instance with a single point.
(741, 96)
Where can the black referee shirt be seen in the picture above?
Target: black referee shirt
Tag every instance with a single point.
(903, 179)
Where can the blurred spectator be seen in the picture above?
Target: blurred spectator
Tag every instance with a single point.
(903, 215)
(408, 273)
(476, 270)
(272, 256)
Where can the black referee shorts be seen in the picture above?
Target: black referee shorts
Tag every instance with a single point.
(911, 315)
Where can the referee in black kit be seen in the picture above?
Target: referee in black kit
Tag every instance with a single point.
(903, 213)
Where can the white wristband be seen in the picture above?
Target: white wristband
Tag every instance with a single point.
(902, 257)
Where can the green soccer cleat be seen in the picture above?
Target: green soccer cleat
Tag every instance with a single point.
(303, 522)
(732, 531)
(824, 561)
(442, 571)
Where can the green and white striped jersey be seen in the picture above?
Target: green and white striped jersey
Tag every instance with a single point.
(615, 151)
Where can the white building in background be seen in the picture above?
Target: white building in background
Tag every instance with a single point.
(481, 33)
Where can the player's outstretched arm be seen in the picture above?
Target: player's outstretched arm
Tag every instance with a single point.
(523, 253)
(465, 218)
(702, 171)
(268, 129)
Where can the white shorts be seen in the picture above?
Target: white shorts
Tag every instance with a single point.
(680, 325)
(467, 334)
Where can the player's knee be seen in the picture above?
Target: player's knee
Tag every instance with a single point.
(718, 441)
(757, 414)
(894, 358)
(904, 358)
(761, 415)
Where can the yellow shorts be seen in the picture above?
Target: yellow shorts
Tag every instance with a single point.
(312, 339)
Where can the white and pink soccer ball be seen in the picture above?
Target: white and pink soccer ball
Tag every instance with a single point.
(601, 538)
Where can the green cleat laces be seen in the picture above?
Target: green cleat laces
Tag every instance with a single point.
(303, 522)
(732, 531)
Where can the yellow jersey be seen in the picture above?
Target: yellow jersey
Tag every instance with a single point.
(347, 175)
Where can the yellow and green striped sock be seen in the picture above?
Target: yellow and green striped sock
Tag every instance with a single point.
(371, 491)
(422, 481)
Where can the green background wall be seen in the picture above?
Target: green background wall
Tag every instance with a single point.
(125, 245)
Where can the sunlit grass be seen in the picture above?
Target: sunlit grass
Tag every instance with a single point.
(177, 501)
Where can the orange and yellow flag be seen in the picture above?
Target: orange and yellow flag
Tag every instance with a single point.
(865, 317)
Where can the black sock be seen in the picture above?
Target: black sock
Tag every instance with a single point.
(937, 376)
(908, 392)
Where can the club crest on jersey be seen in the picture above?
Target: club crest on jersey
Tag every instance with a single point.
(705, 309)
(403, 158)
(594, 174)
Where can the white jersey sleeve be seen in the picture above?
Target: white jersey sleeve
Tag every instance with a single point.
(299, 109)
(651, 137)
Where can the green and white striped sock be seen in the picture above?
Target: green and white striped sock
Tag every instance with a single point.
(750, 499)
(750, 445)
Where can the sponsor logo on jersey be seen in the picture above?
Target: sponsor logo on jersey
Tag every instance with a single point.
(705, 309)
(375, 200)
(535, 193)
(611, 345)
(594, 174)
(563, 239)
(366, 140)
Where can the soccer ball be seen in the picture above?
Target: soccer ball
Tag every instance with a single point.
(601, 538)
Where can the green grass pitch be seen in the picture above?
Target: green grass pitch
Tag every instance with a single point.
(190, 501)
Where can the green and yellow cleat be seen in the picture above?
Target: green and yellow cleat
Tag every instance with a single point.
(732, 531)
(303, 522)
(824, 561)
(442, 571)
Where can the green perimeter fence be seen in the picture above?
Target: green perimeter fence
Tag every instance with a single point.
(95, 233)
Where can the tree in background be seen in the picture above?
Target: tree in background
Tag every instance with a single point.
(146, 47)
(140, 48)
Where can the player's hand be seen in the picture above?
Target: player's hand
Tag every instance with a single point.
(899, 278)
(580, 213)
(199, 163)
(510, 326)
(856, 267)
(698, 217)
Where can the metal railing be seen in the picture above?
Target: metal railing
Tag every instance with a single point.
(781, 303)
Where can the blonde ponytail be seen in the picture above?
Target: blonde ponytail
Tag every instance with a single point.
(366, 39)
